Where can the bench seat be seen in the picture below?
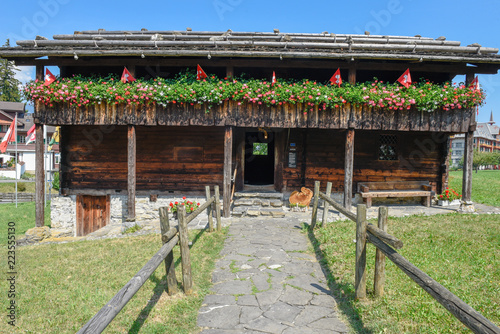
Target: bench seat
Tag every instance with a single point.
(392, 189)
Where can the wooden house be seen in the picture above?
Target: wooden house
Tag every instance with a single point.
(152, 148)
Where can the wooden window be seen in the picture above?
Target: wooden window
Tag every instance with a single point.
(388, 148)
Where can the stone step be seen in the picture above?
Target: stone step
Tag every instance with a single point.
(264, 202)
(254, 194)
(256, 211)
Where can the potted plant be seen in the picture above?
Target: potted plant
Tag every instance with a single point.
(449, 197)
(185, 204)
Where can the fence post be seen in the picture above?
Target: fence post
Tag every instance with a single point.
(169, 260)
(217, 207)
(325, 208)
(187, 281)
(315, 205)
(209, 210)
(379, 280)
(360, 280)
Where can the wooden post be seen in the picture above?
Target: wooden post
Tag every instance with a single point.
(39, 177)
(348, 166)
(360, 277)
(169, 260)
(187, 280)
(352, 75)
(468, 153)
(217, 207)
(210, 210)
(229, 71)
(445, 165)
(379, 281)
(325, 207)
(315, 204)
(131, 179)
(228, 158)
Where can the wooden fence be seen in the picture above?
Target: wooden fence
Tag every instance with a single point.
(21, 197)
(383, 242)
(170, 237)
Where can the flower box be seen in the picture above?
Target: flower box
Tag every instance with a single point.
(448, 203)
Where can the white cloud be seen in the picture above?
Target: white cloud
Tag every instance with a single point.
(25, 74)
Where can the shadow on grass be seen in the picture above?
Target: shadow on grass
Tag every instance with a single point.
(343, 292)
(159, 289)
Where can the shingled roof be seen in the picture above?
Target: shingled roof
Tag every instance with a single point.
(230, 43)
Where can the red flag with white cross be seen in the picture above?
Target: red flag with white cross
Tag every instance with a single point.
(127, 76)
(336, 79)
(405, 78)
(49, 77)
(273, 80)
(200, 74)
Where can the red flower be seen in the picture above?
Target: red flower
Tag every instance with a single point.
(184, 198)
(171, 204)
(192, 209)
(198, 204)
(176, 202)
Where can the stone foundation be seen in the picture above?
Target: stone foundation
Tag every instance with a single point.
(63, 210)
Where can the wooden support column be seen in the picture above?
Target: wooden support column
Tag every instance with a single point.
(352, 75)
(445, 165)
(348, 168)
(468, 153)
(228, 167)
(230, 71)
(360, 274)
(39, 165)
(131, 179)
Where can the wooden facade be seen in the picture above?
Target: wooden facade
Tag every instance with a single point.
(111, 149)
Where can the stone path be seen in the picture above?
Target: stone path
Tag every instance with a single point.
(267, 282)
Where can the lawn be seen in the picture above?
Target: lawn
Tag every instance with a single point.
(485, 186)
(22, 186)
(61, 286)
(462, 252)
(23, 216)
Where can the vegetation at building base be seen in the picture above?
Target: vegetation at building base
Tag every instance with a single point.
(9, 85)
(485, 185)
(61, 290)
(185, 89)
(460, 251)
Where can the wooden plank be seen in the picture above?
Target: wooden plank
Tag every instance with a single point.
(169, 259)
(314, 215)
(210, 210)
(348, 168)
(39, 177)
(325, 208)
(379, 278)
(467, 170)
(217, 208)
(360, 274)
(228, 168)
(463, 312)
(109, 311)
(187, 279)
(131, 171)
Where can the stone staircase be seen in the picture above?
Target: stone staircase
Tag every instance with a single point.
(255, 204)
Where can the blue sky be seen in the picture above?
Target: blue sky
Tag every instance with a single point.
(464, 21)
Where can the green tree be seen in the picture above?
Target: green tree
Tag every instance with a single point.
(9, 85)
(482, 159)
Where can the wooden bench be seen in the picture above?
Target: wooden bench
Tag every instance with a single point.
(392, 189)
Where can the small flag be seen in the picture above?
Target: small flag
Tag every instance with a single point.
(127, 76)
(273, 80)
(54, 139)
(31, 135)
(49, 77)
(405, 78)
(9, 136)
(475, 84)
(200, 74)
(336, 79)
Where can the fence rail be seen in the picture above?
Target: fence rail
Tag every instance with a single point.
(383, 241)
(169, 237)
(21, 197)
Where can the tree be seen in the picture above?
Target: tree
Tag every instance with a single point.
(482, 159)
(9, 85)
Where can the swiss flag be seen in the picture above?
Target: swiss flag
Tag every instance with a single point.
(31, 135)
(49, 77)
(9, 136)
(200, 74)
(273, 80)
(475, 84)
(405, 78)
(336, 79)
(127, 76)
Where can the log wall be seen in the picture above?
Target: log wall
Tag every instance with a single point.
(168, 158)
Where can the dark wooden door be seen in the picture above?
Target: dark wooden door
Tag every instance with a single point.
(92, 213)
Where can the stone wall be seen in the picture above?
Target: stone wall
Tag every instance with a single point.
(63, 213)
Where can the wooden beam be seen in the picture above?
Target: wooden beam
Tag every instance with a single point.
(39, 176)
(39, 165)
(445, 164)
(228, 167)
(348, 168)
(169, 259)
(360, 271)
(379, 278)
(131, 177)
(467, 170)
(352, 75)
(229, 71)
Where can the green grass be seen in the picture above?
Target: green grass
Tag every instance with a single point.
(23, 216)
(485, 185)
(462, 252)
(61, 286)
(10, 187)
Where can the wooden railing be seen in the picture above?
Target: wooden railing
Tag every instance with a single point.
(383, 242)
(170, 237)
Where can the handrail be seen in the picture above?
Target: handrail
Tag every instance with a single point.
(109, 311)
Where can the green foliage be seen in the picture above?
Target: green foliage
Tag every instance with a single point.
(481, 158)
(9, 85)
(27, 176)
(21, 186)
(186, 204)
(55, 181)
(133, 229)
(185, 89)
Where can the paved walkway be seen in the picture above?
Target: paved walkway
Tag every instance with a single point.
(266, 282)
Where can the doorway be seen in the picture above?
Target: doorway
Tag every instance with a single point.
(92, 213)
(259, 158)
